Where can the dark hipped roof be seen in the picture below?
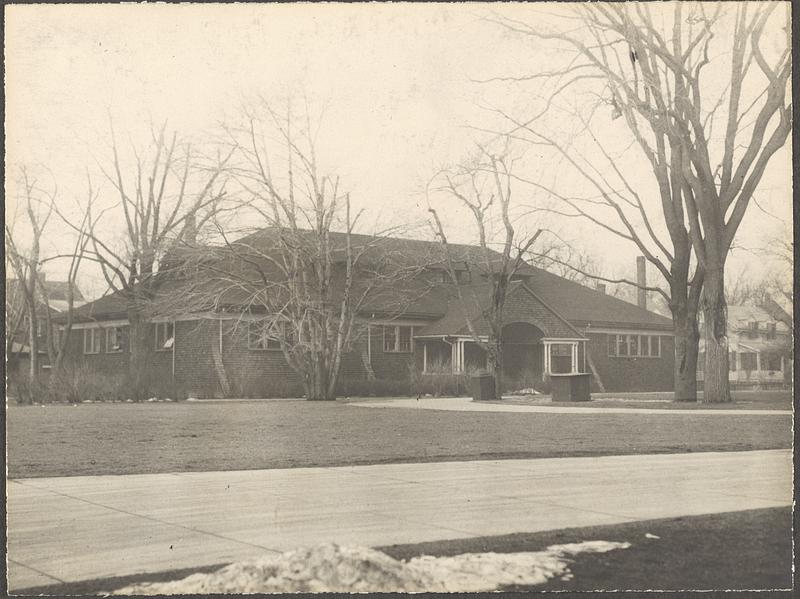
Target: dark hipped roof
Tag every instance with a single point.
(374, 248)
(584, 306)
(578, 304)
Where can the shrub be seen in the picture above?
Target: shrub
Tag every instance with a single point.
(70, 384)
(26, 392)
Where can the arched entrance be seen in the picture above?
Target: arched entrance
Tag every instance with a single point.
(522, 354)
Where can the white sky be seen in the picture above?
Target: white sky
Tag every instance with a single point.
(397, 80)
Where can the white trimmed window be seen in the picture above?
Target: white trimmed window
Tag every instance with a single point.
(266, 334)
(116, 339)
(634, 346)
(397, 339)
(92, 340)
(165, 336)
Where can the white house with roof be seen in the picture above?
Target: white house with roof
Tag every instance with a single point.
(759, 349)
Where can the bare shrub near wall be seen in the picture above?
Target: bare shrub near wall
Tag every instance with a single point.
(71, 385)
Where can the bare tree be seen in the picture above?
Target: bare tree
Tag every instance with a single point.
(302, 276)
(165, 194)
(481, 185)
(569, 262)
(655, 74)
(25, 262)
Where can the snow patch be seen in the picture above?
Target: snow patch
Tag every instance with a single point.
(335, 568)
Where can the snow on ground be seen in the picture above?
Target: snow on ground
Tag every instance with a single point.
(335, 568)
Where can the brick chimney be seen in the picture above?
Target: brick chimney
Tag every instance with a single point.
(641, 281)
(601, 287)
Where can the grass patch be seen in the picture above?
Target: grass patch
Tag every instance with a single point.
(94, 439)
(735, 550)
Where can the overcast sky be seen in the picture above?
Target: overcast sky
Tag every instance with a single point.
(398, 81)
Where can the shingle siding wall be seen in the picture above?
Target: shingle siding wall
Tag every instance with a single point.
(632, 374)
(521, 306)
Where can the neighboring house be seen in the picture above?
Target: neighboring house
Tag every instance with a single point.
(759, 348)
(552, 326)
(18, 324)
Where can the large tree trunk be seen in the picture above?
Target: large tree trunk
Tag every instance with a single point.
(716, 388)
(687, 337)
(137, 361)
(318, 389)
(497, 370)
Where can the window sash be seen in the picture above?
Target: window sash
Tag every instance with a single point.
(748, 361)
(389, 338)
(404, 339)
(398, 339)
(262, 334)
(771, 362)
(115, 339)
(91, 340)
(165, 331)
(634, 346)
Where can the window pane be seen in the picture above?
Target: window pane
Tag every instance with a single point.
(633, 340)
(404, 339)
(771, 362)
(255, 335)
(389, 338)
(612, 345)
(748, 360)
(622, 345)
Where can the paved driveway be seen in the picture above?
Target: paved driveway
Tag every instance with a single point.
(79, 528)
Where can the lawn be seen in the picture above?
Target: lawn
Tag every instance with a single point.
(91, 439)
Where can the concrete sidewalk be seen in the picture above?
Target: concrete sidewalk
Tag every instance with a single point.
(466, 404)
(79, 528)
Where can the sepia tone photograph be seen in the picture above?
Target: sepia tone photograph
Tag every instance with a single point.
(398, 297)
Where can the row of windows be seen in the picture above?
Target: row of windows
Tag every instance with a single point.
(267, 335)
(754, 327)
(117, 338)
(748, 361)
(261, 335)
(634, 346)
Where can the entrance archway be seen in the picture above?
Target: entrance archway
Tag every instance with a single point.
(522, 354)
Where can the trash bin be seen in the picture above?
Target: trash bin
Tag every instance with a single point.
(482, 386)
(570, 387)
